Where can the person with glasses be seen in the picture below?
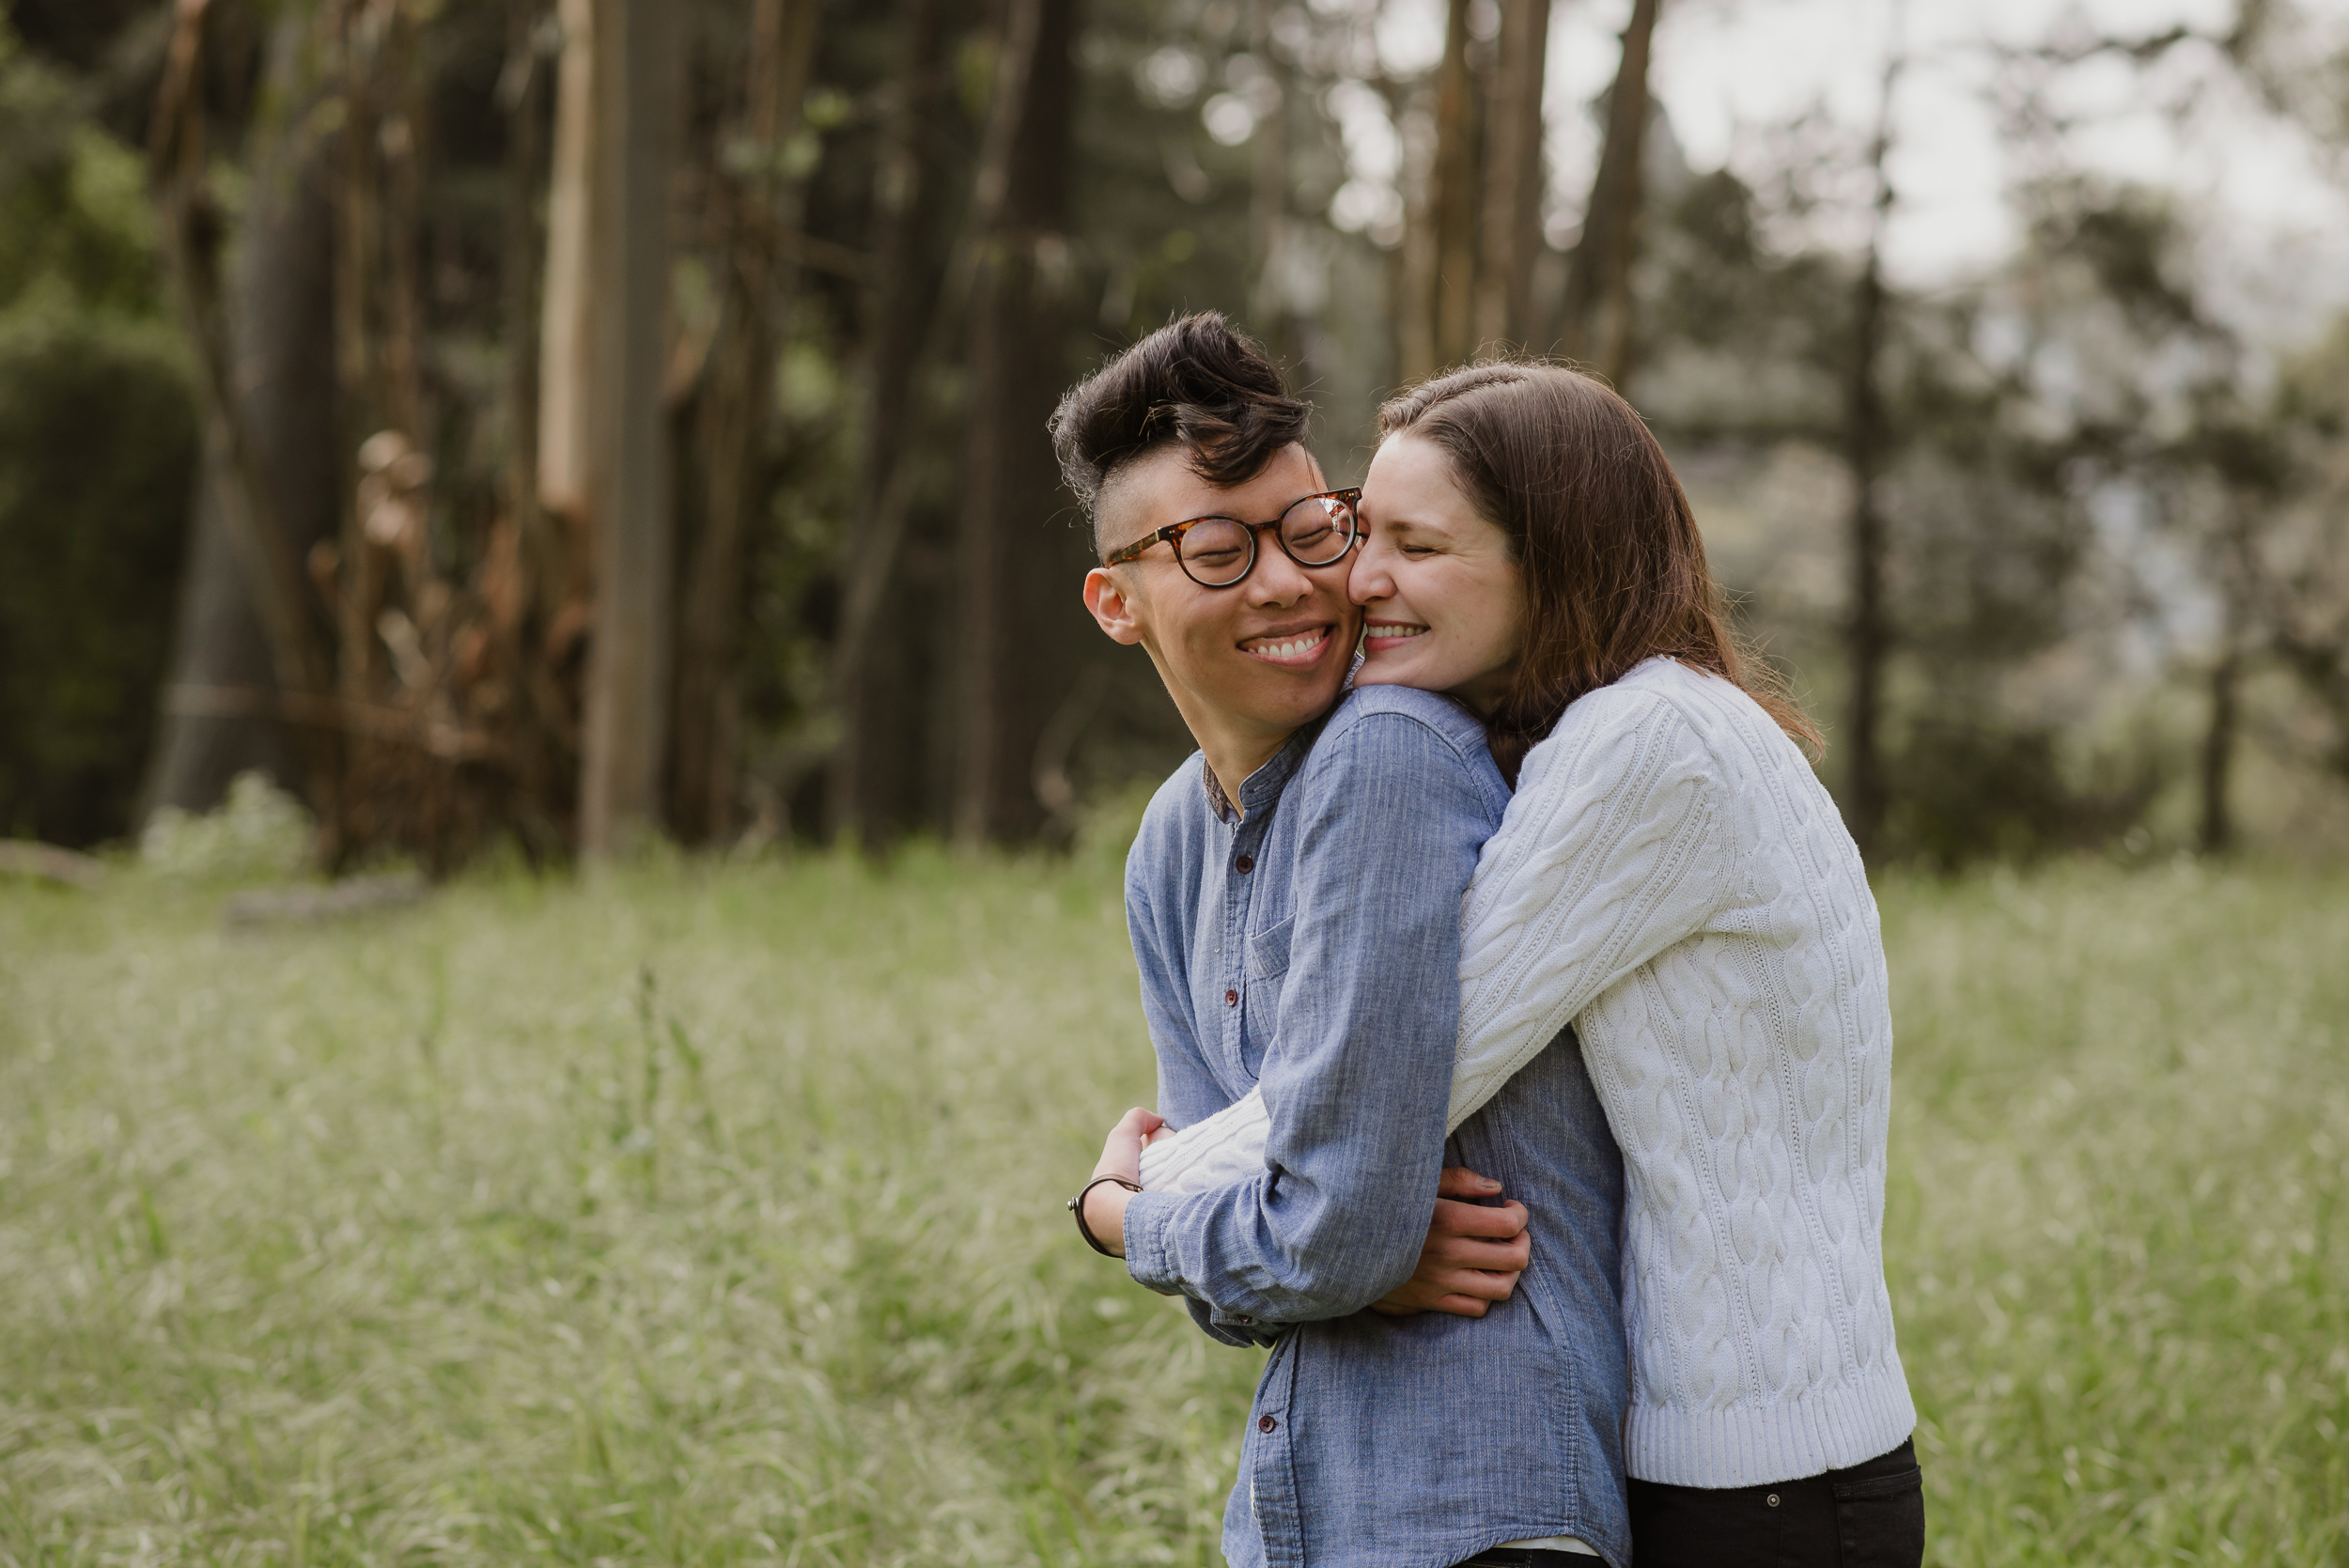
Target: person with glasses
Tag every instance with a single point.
(1447, 1376)
(1671, 897)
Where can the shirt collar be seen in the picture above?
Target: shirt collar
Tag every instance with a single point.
(1261, 788)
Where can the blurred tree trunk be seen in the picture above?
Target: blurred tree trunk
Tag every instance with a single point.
(629, 153)
(760, 208)
(1007, 561)
(1513, 180)
(1595, 324)
(247, 639)
(1455, 208)
(2217, 830)
(390, 790)
(1268, 234)
(1867, 638)
(2221, 737)
(872, 790)
(563, 425)
(535, 595)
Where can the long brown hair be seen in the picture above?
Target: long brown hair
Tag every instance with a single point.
(1605, 543)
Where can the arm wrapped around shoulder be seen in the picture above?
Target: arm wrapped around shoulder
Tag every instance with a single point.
(1613, 849)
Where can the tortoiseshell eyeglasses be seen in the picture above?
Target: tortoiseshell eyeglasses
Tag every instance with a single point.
(1220, 553)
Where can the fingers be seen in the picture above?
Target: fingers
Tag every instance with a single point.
(1458, 1181)
(1477, 1282)
(1476, 1219)
(1503, 1257)
(1121, 1152)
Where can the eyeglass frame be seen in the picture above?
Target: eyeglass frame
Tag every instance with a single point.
(1172, 533)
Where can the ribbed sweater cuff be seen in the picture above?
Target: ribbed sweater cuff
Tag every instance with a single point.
(1749, 1444)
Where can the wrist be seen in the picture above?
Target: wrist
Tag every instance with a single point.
(1100, 1211)
(1104, 1216)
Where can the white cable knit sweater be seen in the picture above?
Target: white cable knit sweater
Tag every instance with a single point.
(1671, 879)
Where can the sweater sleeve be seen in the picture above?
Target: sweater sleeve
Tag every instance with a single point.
(1611, 851)
(1224, 1148)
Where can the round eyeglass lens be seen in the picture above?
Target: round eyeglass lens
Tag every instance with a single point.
(1319, 530)
(1217, 551)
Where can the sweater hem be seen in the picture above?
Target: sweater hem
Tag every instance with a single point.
(1753, 1444)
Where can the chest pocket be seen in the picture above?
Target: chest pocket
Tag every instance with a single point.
(1269, 952)
(1266, 961)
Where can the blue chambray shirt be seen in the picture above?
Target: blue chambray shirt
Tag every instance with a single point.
(1312, 942)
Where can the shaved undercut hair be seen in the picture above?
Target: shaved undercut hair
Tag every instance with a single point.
(1194, 383)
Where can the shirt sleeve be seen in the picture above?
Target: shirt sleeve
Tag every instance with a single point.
(1358, 1079)
(1187, 1092)
(1612, 850)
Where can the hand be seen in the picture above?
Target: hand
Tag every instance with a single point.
(1473, 1253)
(1121, 1155)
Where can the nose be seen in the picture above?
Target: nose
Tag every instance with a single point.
(1369, 580)
(1277, 580)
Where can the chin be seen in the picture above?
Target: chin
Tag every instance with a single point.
(1391, 672)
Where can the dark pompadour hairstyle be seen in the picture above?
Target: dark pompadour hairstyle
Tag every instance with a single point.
(1195, 382)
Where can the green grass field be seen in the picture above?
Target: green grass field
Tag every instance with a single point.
(703, 1215)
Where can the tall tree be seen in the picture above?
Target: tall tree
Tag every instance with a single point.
(1505, 308)
(1268, 232)
(758, 197)
(631, 146)
(247, 644)
(1456, 205)
(1595, 324)
(1867, 633)
(870, 790)
(1006, 558)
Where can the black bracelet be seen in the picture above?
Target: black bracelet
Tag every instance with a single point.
(1077, 1207)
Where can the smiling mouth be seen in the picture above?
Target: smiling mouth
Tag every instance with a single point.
(1288, 648)
(1380, 635)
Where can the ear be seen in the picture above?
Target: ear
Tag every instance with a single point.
(1114, 605)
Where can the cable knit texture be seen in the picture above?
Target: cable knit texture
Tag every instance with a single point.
(1673, 880)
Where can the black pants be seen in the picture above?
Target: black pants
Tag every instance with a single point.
(1871, 1515)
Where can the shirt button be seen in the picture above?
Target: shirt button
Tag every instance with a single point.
(1268, 1423)
(1231, 998)
(1246, 864)
(1773, 1499)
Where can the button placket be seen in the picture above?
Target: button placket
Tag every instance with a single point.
(1238, 896)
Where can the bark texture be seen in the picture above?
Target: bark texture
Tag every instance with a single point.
(1505, 310)
(872, 792)
(759, 206)
(1013, 569)
(635, 104)
(1596, 325)
(1867, 635)
(279, 331)
(1456, 208)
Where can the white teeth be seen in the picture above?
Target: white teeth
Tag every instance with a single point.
(1296, 648)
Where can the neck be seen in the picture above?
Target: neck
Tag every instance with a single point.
(1233, 759)
(1234, 745)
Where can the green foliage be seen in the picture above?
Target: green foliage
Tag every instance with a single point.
(98, 454)
(259, 832)
(712, 1215)
(74, 212)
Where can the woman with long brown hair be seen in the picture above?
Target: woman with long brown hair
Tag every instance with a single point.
(1673, 893)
